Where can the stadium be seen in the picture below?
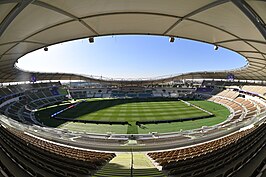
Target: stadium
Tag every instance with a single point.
(192, 124)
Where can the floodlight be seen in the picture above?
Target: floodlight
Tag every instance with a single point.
(45, 49)
(216, 47)
(171, 39)
(91, 40)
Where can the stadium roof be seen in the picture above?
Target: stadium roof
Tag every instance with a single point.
(238, 25)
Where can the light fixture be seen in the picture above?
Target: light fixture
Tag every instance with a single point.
(171, 39)
(216, 47)
(91, 40)
(45, 49)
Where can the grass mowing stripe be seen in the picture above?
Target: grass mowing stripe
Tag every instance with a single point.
(128, 110)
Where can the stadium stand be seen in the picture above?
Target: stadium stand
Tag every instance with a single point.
(63, 160)
(81, 93)
(203, 159)
(205, 90)
(31, 97)
(255, 89)
(235, 147)
(190, 161)
(242, 108)
(130, 92)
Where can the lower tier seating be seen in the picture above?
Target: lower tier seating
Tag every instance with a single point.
(209, 157)
(57, 160)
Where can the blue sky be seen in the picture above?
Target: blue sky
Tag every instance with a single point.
(131, 57)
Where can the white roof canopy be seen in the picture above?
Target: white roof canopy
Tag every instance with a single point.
(238, 25)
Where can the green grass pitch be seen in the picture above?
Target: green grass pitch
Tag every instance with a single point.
(132, 110)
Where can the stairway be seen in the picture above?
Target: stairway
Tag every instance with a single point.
(120, 167)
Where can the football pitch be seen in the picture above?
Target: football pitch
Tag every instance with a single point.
(131, 111)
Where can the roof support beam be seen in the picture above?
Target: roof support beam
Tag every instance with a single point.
(247, 40)
(206, 7)
(13, 14)
(15, 42)
(48, 6)
(245, 51)
(9, 1)
(252, 15)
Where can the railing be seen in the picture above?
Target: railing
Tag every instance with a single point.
(64, 136)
